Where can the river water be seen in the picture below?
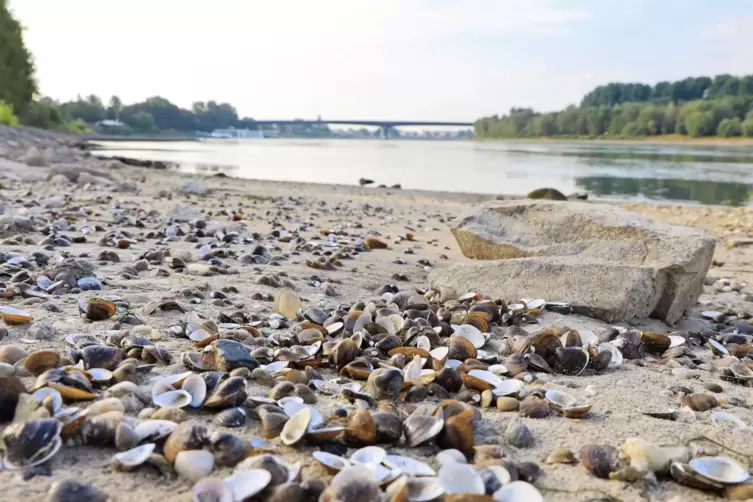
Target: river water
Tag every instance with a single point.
(634, 172)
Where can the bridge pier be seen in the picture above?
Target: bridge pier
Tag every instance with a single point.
(385, 131)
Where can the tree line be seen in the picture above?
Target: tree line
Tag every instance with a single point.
(697, 107)
(153, 114)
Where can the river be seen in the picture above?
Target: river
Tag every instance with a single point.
(632, 172)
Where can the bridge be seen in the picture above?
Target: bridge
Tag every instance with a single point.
(384, 125)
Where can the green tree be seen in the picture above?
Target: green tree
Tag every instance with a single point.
(142, 122)
(700, 124)
(729, 128)
(17, 84)
(114, 109)
(747, 128)
(43, 114)
(632, 129)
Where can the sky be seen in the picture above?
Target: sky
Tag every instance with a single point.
(377, 59)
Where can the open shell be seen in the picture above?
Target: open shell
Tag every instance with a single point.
(246, 484)
(296, 427)
(460, 478)
(31, 443)
(720, 469)
(133, 457)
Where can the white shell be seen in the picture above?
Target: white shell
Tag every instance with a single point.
(197, 388)
(330, 460)
(194, 464)
(173, 398)
(161, 386)
(154, 429)
(723, 416)
(423, 343)
(99, 374)
(276, 367)
(57, 398)
(718, 347)
(502, 474)
(282, 402)
(262, 444)
(676, 340)
(219, 490)
(460, 478)
(720, 469)
(296, 427)
(560, 399)
(246, 484)
(616, 354)
(518, 491)
(498, 369)
(487, 376)
(424, 489)
(507, 387)
(535, 304)
(470, 332)
(588, 338)
(369, 455)
(409, 466)
(134, 456)
(57, 443)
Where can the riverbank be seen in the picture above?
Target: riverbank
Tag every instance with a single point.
(283, 233)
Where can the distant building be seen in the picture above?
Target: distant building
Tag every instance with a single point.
(232, 133)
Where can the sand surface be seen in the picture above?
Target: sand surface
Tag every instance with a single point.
(617, 396)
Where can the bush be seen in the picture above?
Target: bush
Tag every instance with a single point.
(729, 128)
(747, 128)
(77, 126)
(633, 129)
(41, 115)
(7, 117)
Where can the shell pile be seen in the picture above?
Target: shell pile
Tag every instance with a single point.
(386, 397)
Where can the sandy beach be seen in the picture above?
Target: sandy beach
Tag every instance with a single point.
(291, 218)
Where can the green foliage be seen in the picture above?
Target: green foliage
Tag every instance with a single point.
(43, 114)
(7, 117)
(17, 84)
(141, 122)
(729, 128)
(77, 126)
(662, 109)
(747, 128)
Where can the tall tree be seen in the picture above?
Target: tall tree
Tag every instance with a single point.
(17, 84)
(116, 106)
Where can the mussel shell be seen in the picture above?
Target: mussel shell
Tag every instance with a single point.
(571, 360)
(419, 429)
(101, 356)
(32, 442)
(97, 309)
(186, 436)
(600, 460)
(385, 383)
(231, 392)
(40, 361)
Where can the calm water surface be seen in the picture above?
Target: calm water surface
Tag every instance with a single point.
(701, 174)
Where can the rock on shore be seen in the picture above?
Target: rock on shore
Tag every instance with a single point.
(603, 260)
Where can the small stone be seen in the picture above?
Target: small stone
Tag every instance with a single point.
(590, 391)
(682, 373)
(70, 490)
(41, 330)
(518, 434)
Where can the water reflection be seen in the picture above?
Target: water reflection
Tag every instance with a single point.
(705, 192)
(649, 153)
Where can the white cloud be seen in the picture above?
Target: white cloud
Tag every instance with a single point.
(282, 58)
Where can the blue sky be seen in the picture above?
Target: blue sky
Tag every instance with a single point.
(378, 59)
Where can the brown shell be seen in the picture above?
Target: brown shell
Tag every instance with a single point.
(573, 339)
(600, 460)
(451, 407)
(516, 364)
(561, 456)
(362, 429)
(372, 242)
(345, 352)
(186, 436)
(458, 433)
(600, 361)
(389, 427)
(699, 402)
(475, 383)
(229, 393)
(570, 361)
(450, 379)
(534, 407)
(546, 343)
(10, 388)
(40, 361)
(460, 348)
(97, 309)
(655, 343)
(479, 319)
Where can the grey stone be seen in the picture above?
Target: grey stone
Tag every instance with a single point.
(195, 188)
(35, 158)
(604, 260)
(41, 330)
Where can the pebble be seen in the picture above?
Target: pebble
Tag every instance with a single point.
(590, 391)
